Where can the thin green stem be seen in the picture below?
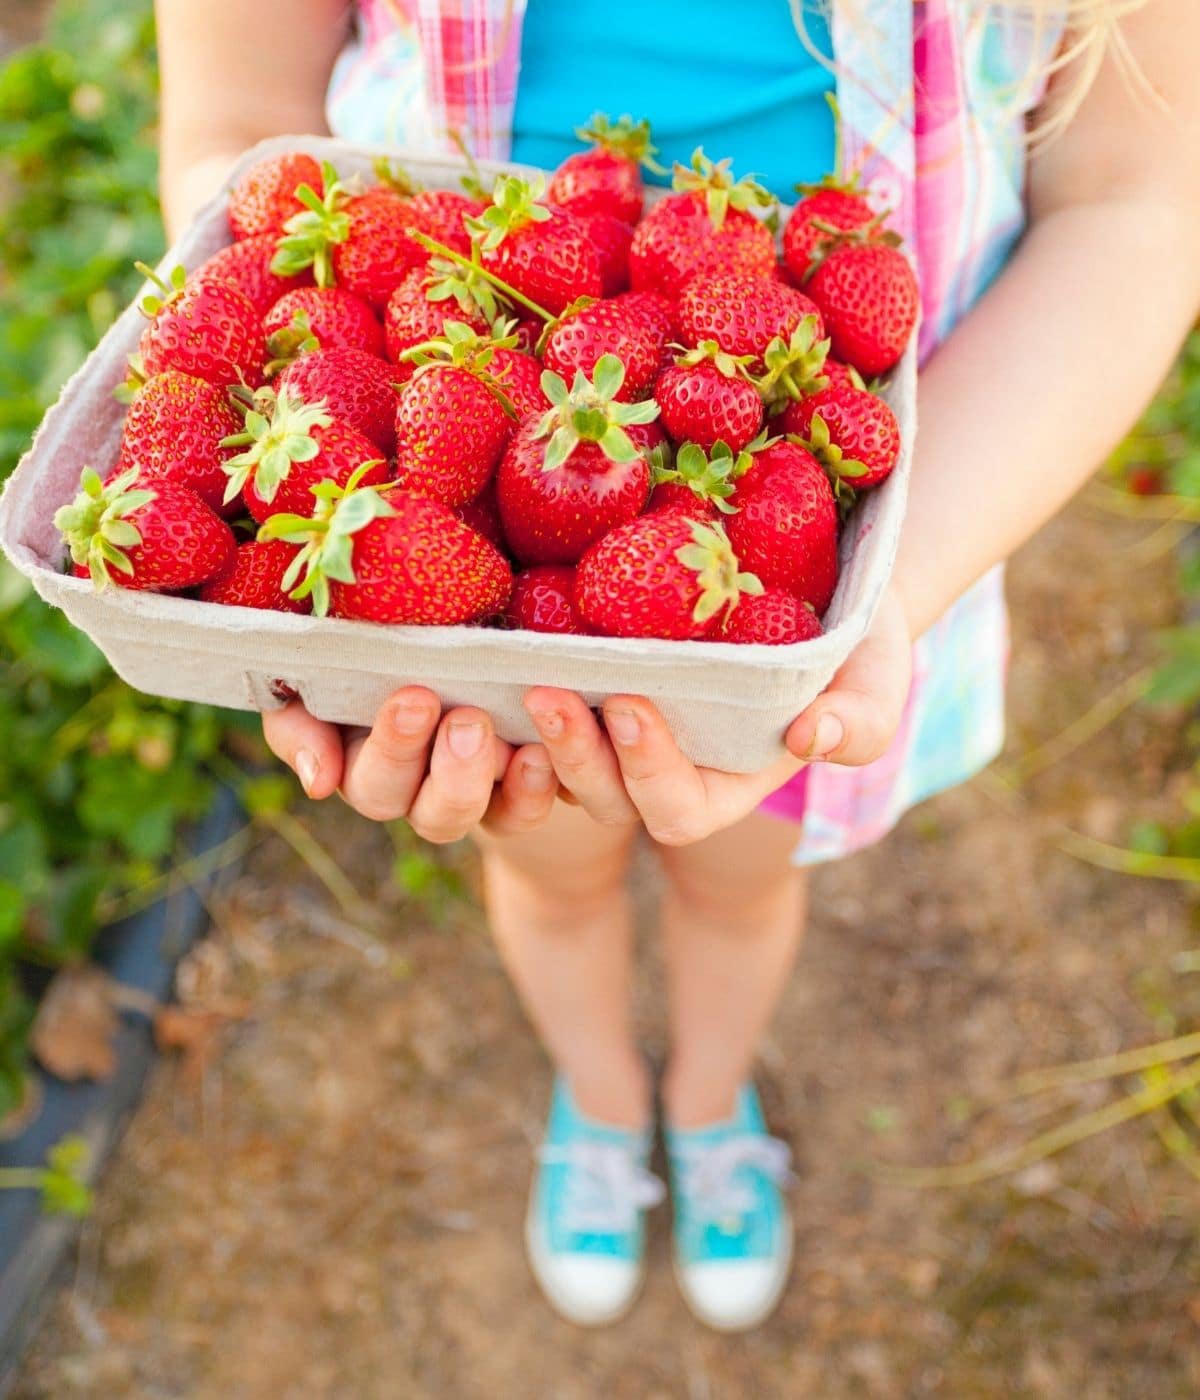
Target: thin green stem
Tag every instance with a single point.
(1040, 1081)
(433, 246)
(1147, 864)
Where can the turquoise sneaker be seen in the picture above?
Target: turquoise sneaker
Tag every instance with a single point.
(733, 1231)
(585, 1229)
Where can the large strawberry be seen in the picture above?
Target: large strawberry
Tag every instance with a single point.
(174, 431)
(247, 264)
(612, 239)
(264, 199)
(253, 578)
(543, 253)
(577, 471)
(773, 618)
(704, 227)
(660, 576)
(706, 398)
(451, 424)
(291, 446)
(786, 526)
(832, 205)
(868, 295)
(543, 600)
(355, 387)
(851, 432)
(578, 339)
(430, 296)
(607, 179)
(356, 241)
(334, 317)
(403, 559)
(202, 327)
(743, 314)
(159, 536)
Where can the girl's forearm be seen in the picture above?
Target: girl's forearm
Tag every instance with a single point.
(1038, 385)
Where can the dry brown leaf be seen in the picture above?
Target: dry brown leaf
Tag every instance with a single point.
(76, 1025)
(194, 1031)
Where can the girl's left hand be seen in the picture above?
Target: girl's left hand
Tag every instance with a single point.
(631, 770)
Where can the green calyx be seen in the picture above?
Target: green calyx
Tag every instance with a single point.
(721, 191)
(393, 176)
(327, 536)
(623, 137)
(472, 266)
(278, 433)
(794, 367)
(466, 286)
(587, 413)
(731, 366)
(829, 454)
(287, 344)
(710, 477)
(515, 204)
(310, 236)
(168, 291)
(466, 349)
(833, 239)
(95, 526)
(711, 558)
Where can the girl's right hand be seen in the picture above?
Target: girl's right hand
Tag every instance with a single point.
(445, 774)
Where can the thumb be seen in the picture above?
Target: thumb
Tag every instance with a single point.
(855, 720)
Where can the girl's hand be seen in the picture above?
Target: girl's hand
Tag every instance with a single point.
(632, 769)
(445, 774)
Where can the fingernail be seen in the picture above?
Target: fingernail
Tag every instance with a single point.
(465, 740)
(549, 723)
(829, 736)
(410, 719)
(623, 725)
(539, 777)
(307, 768)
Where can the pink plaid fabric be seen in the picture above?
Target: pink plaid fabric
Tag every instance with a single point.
(934, 97)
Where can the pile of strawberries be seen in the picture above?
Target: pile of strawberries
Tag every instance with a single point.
(543, 409)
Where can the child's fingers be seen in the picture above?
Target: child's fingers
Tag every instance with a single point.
(462, 774)
(385, 768)
(581, 755)
(525, 797)
(665, 787)
(311, 748)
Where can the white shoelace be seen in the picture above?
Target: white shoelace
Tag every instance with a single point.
(607, 1188)
(710, 1173)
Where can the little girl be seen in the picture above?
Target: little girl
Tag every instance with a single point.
(1055, 289)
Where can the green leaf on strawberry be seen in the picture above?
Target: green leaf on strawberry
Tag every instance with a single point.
(310, 235)
(278, 432)
(710, 556)
(587, 412)
(95, 526)
(515, 203)
(721, 191)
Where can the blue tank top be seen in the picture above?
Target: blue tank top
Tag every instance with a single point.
(762, 103)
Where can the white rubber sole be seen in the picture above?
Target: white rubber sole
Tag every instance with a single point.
(747, 1320)
(572, 1310)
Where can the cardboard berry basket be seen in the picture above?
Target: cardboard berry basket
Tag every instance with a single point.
(728, 706)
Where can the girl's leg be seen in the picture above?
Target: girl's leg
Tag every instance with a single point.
(562, 919)
(732, 919)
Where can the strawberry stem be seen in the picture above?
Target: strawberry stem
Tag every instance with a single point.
(431, 245)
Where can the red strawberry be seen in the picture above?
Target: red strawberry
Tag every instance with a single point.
(706, 398)
(606, 179)
(205, 328)
(520, 377)
(356, 241)
(868, 295)
(159, 536)
(824, 207)
(578, 340)
(527, 332)
(442, 214)
(355, 387)
(337, 319)
(660, 314)
(611, 239)
(290, 447)
(703, 228)
(660, 576)
(428, 297)
(247, 265)
(852, 432)
(698, 484)
(577, 471)
(253, 578)
(743, 314)
(494, 355)
(264, 198)
(543, 600)
(542, 253)
(786, 526)
(773, 618)
(401, 560)
(174, 431)
(450, 432)
(483, 516)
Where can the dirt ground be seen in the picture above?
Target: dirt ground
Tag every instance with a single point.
(332, 1207)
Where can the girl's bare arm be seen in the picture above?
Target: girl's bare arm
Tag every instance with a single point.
(234, 72)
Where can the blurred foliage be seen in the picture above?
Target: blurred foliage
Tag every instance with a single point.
(94, 778)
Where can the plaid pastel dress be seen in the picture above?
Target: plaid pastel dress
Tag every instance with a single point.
(934, 97)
